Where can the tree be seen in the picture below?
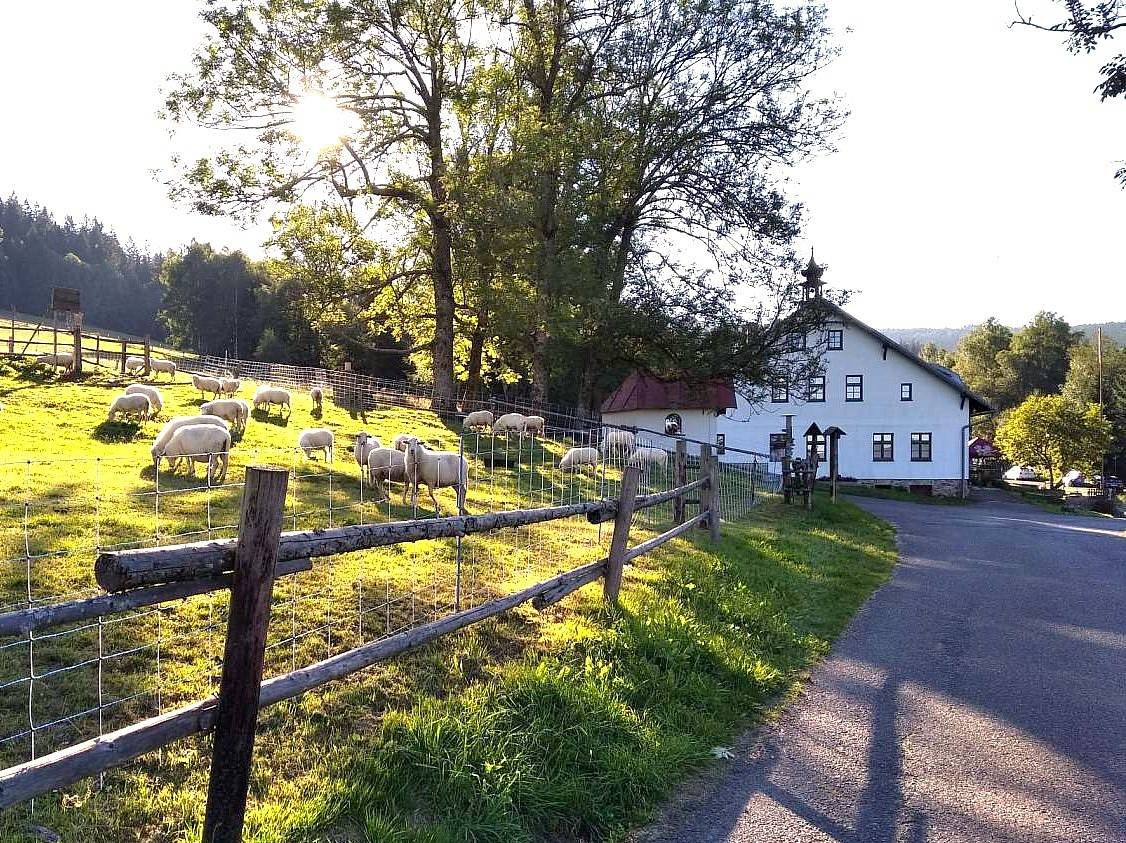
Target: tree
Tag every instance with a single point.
(980, 358)
(1054, 433)
(932, 352)
(1039, 352)
(1082, 383)
(1087, 26)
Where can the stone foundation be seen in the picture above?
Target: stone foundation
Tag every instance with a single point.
(940, 488)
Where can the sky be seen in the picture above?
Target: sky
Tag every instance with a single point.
(974, 177)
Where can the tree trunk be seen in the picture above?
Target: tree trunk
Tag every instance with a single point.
(442, 349)
(476, 352)
(585, 401)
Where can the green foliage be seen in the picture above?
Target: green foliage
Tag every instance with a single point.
(1055, 434)
(980, 359)
(1082, 384)
(1038, 356)
(934, 353)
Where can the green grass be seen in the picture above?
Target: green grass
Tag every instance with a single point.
(891, 494)
(566, 724)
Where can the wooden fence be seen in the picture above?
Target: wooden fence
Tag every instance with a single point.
(248, 566)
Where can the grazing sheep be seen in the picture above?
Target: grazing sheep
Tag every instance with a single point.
(317, 439)
(509, 423)
(229, 386)
(478, 420)
(166, 366)
(62, 360)
(130, 405)
(365, 444)
(399, 443)
(437, 470)
(533, 424)
(267, 395)
(645, 457)
(134, 364)
(577, 457)
(231, 409)
(317, 394)
(202, 443)
(617, 442)
(154, 396)
(207, 384)
(387, 465)
(170, 427)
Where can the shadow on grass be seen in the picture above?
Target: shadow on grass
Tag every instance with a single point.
(265, 417)
(117, 431)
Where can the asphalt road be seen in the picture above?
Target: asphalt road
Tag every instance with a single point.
(980, 695)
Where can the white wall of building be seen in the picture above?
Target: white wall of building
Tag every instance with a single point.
(698, 424)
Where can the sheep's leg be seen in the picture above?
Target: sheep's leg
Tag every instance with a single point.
(437, 508)
(460, 488)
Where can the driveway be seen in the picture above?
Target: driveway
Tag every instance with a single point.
(980, 695)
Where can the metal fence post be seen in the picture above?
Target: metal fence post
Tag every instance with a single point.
(263, 504)
(619, 543)
(680, 478)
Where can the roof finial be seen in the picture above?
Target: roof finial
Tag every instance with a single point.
(812, 274)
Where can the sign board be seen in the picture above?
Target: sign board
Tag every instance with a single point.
(65, 300)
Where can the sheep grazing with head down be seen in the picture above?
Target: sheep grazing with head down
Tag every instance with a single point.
(645, 457)
(578, 457)
(135, 406)
(436, 470)
(170, 428)
(509, 423)
(318, 396)
(232, 409)
(204, 443)
(365, 444)
(134, 364)
(266, 396)
(154, 396)
(533, 424)
(165, 366)
(60, 360)
(229, 386)
(478, 420)
(618, 443)
(317, 439)
(387, 465)
(205, 384)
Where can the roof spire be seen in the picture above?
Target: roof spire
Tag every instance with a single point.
(812, 273)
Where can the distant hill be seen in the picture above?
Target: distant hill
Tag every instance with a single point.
(948, 337)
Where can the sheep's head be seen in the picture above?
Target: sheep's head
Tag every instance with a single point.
(362, 437)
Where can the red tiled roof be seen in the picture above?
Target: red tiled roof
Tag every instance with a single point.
(647, 392)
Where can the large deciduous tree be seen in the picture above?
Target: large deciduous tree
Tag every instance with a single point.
(1054, 434)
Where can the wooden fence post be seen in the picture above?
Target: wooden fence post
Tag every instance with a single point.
(77, 369)
(680, 478)
(124, 352)
(709, 493)
(263, 507)
(148, 357)
(619, 544)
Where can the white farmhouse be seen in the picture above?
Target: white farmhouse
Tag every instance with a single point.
(906, 421)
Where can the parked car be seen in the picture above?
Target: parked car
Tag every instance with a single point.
(1020, 472)
(1074, 479)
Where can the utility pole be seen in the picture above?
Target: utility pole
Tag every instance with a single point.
(1099, 344)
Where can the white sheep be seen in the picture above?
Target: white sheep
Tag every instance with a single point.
(154, 396)
(267, 395)
(533, 424)
(171, 426)
(62, 360)
(387, 465)
(232, 409)
(478, 420)
(229, 386)
(437, 470)
(130, 405)
(202, 443)
(399, 443)
(577, 457)
(365, 444)
(166, 366)
(134, 364)
(509, 423)
(645, 457)
(317, 439)
(205, 383)
(317, 394)
(618, 442)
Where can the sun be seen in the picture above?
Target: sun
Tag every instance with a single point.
(319, 122)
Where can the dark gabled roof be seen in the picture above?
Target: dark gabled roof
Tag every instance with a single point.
(978, 405)
(641, 391)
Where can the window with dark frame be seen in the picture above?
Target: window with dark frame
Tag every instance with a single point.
(854, 387)
(834, 339)
(816, 391)
(779, 393)
(905, 392)
(883, 447)
(920, 447)
(795, 342)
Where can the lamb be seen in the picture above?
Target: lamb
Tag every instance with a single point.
(577, 457)
(533, 424)
(617, 442)
(399, 443)
(478, 419)
(229, 386)
(365, 444)
(645, 457)
(166, 366)
(317, 439)
(202, 443)
(436, 469)
(134, 364)
(170, 428)
(509, 423)
(231, 409)
(387, 464)
(207, 384)
(267, 395)
(317, 394)
(62, 359)
(135, 404)
(154, 396)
